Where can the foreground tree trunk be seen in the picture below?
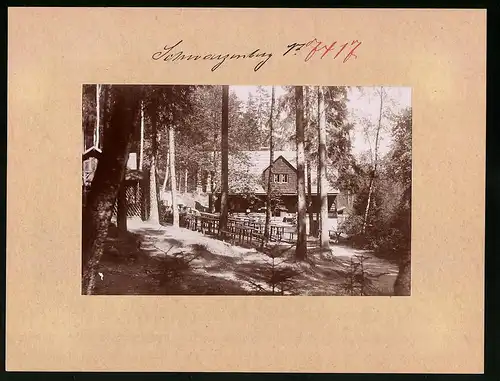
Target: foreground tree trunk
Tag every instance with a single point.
(211, 197)
(375, 162)
(141, 139)
(301, 249)
(137, 143)
(224, 159)
(308, 165)
(107, 180)
(318, 193)
(269, 178)
(402, 286)
(309, 197)
(324, 235)
(97, 136)
(121, 214)
(173, 183)
(143, 184)
(154, 215)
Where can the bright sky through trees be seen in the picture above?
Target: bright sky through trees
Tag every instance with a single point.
(362, 104)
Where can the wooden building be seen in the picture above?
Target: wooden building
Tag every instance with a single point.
(284, 182)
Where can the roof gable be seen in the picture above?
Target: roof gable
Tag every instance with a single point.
(92, 152)
(285, 160)
(256, 162)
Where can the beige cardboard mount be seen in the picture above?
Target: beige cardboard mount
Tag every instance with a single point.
(440, 54)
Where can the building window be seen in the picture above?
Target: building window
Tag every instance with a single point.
(280, 178)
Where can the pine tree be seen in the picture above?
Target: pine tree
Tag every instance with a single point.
(301, 249)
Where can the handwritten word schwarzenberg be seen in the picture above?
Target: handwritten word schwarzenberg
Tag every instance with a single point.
(167, 55)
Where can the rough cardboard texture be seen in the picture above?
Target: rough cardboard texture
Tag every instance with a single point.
(51, 326)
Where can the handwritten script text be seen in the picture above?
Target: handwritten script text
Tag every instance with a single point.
(166, 55)
(314, 48)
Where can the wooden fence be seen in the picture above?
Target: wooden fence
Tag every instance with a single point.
(238, 230)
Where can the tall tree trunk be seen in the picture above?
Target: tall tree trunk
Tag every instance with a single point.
(324, 236)
(186, 180)
(143, 185)
(301, 249)
(318, 192)
(104, 104)
(308, 165)
(211, 200)
(154, 215)
(270, 177)
(211, 189)
(318, 168)
(199, 188)
(167, 174)
(106, 183)
(141, 143)
(309, 197)
(137, 142)
(173, 184)
(98, 116)
(224, 159)
(402, 286)
(121, 214)
(375, 162)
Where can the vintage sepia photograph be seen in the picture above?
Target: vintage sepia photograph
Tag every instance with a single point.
(246, 190)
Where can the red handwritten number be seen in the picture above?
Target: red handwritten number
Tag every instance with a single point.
(313, 51)
(319, 46)
(318, 49)
(351, 53)
(328, 49)
(340, 51)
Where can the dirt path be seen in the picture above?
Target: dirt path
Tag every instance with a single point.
(179, 261)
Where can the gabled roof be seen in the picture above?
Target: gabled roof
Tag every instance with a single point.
(91, 152)
(259, 162)
(282, 158)
(256, 162)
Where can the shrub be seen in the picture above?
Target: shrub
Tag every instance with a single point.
(352, 225)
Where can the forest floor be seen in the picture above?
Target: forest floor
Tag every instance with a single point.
(177, 261)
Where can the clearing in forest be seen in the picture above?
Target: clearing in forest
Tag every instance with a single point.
(177, 261)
